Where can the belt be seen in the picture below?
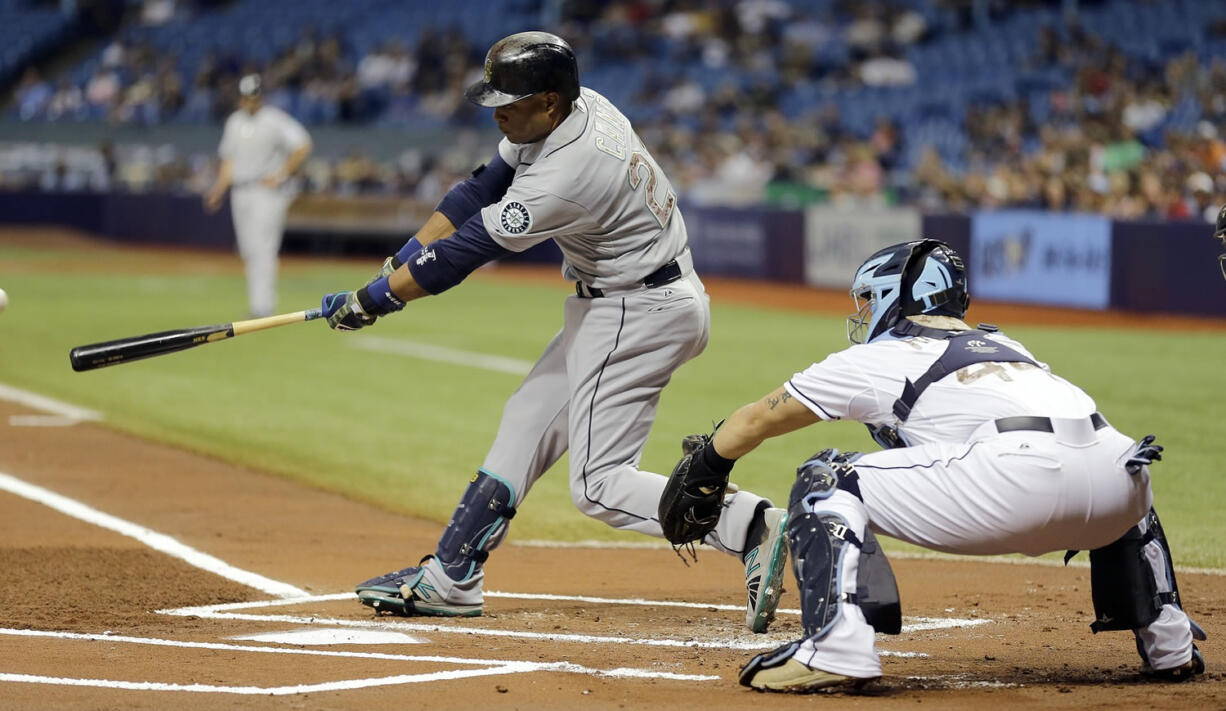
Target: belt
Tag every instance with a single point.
(1039, 424)
(664, 275)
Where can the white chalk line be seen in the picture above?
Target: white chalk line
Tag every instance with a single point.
(347, 685)
(759, 642)
(568, 667)
(442, 354)
(35, 401)
(919, 624)
(157, 541)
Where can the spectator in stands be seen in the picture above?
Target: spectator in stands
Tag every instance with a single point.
(33, 95)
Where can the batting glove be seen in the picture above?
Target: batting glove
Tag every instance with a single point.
(345, 312)
(390, 265)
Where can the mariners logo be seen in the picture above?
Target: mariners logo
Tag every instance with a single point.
(515, 218)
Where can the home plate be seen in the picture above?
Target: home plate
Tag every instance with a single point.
(324, 636)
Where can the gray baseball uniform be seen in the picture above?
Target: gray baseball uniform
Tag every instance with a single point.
(593, 188)
(257, 146)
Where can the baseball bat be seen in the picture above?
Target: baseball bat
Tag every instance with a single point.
(125, 350)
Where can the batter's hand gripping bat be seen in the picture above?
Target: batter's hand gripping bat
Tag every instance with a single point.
(124, 350)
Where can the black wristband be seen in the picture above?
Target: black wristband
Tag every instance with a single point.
(368, 304)
(714, 461)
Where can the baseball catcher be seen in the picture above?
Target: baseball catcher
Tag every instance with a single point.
(1005, 457)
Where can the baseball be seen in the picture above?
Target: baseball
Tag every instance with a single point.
(4, 301)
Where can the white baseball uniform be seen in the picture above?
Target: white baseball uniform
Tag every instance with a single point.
(593, 188)
(257, 146)
(963, 487)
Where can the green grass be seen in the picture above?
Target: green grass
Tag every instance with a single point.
(407, 434)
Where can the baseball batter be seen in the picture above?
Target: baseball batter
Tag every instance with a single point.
(570, 169)
(261, 149)
(988, 452)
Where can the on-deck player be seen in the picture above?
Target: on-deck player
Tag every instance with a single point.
(261, 149)
(571, 169)
(987, 452)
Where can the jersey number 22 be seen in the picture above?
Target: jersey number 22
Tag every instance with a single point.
(661, 211)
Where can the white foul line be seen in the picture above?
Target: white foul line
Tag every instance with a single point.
(442, 354)
(43, 403)
(568, 667)
(513, 668)
(153, 539)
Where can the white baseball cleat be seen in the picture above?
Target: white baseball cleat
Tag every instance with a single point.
(764, 566)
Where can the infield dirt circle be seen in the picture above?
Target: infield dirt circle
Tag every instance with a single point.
(87, 615)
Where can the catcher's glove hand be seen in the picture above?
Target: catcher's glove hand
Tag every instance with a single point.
(692, 499)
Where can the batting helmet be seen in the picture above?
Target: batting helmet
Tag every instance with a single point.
(1220, 233)
(524, 64)
(921, 277)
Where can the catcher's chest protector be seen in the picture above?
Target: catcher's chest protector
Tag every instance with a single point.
(963, 348)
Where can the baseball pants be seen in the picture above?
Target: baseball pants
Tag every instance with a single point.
(1017, 492)
(595, 391)
(259, 220)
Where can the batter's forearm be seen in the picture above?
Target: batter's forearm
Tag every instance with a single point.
(404, 286)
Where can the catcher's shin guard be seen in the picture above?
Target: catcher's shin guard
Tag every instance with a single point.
(876, 589)
(1124, 584)
(818, 543)
(480, 518)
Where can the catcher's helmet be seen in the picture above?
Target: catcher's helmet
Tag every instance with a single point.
(524, 64)
(1220, 233)
(921, 277)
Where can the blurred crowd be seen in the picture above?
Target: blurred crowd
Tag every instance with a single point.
(1102, 147)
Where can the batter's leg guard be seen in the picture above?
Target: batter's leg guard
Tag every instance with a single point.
(478, 522)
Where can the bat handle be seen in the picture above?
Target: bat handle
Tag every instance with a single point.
(312, 314)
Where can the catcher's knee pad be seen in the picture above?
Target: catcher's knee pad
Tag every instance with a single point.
(818, 543)
(1123, 580)
(822, 474)
(488, 503)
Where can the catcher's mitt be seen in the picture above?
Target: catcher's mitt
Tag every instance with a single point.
(692, 499)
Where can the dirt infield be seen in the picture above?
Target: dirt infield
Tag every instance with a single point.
(80, 625)
(135, 575)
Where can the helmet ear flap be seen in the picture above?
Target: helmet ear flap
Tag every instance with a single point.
(907, 304)
(955, 295)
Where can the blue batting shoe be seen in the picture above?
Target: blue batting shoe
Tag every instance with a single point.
(408, 593)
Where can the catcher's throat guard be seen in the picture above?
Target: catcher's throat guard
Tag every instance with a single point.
(480, 517)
